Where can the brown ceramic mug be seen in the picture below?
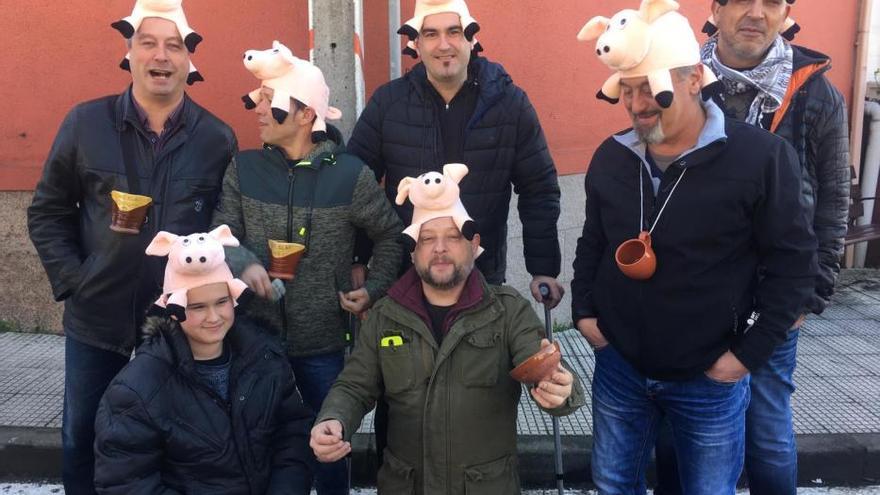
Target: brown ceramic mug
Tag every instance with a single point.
(284, 258)
(540, 366)
(636, 258)
(128, 211)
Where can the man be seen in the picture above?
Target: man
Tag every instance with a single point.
(166, 422)
(782, 88)
(719, 199)
(439, 349)
(455, 106)
(152, 140)
(302, 187)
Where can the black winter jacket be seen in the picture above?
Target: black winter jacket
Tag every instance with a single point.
(104, 278)
(734, 210)
(161, 429)
(398, 135)
(815, 124)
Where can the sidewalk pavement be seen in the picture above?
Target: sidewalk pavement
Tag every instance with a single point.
(836, 406)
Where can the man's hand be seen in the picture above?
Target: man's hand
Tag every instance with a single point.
(257, 279)
(589, 328)
(553, 392)
(356, 301)
(727, 369)
(358, 275)
(800, 322)
(556, 290)
(327, 441)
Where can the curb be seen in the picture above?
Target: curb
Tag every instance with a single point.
(849, 459)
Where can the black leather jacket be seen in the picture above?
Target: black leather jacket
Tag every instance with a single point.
(104, 277)
(816, 125)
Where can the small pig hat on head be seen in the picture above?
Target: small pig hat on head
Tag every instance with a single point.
(788, 30)
(171, 10)
(193, 261)
(435, 195)
(648, 42)
(290, 77)
(424, 8)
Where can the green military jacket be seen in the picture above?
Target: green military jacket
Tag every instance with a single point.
(452, 408)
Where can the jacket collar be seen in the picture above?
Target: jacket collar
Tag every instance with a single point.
(408, 293)
(713, 131)
(242, 339)
(490, 78)
(127, 114)
(324, 153)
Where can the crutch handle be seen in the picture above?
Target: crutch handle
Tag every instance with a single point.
(544, 289)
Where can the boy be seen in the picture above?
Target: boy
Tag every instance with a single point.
(209, 404)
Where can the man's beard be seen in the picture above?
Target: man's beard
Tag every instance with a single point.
(459, 274)
(649, 135)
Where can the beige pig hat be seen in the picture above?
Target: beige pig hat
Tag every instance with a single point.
(648, 42)
(290, 77)
(171, 10)
(424, 8)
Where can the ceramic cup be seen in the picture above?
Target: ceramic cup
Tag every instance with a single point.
(539, 366)
(636, 258)
(128, 211)
(283, 258)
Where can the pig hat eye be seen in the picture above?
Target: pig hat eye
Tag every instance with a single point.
(201, 239)
(185, 242)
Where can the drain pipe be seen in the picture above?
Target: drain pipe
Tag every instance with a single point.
(868, 177)
(858, 103)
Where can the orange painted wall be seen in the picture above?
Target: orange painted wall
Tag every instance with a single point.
(72, 53)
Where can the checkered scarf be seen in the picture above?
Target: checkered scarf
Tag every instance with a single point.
(770, 77)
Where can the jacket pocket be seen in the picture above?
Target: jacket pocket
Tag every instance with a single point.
(498, 477)
(480, 358)
(397, 367)
(395, 477)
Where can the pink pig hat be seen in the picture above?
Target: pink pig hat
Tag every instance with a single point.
(435, 195)
(646, 42)
(290, 77)
(424, 8)
(193, 261)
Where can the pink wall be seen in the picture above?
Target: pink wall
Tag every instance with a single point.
(74, 52)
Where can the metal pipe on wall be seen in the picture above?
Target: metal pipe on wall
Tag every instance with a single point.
(393, 40)
(869, 176)
(857, 115)
(859, 84)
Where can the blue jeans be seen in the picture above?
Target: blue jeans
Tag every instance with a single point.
(88, 371)
(708, 424)
(314, 377)
(771, 452)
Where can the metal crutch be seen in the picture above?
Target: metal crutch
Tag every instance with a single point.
(544, 289)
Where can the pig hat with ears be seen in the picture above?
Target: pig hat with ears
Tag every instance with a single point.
(193, 261)
(290, 77)
(424, 8)
(171, 10)
(646, 42)
(436, 195)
